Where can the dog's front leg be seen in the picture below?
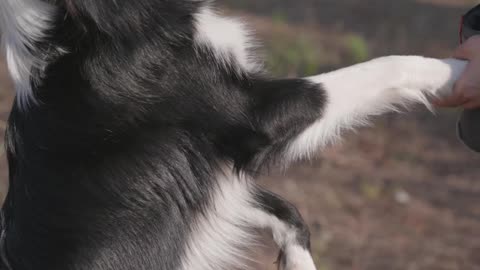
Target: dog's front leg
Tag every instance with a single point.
(385, 84)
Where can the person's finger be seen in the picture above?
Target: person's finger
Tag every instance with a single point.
(474, 104)
(450, 102)
(470, 92)
(468, 86)
(468, 49)
(455, 100)
(462, 52)
(466, 89)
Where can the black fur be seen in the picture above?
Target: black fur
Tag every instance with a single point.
(288, 214)
(285, 212)
(119, 156)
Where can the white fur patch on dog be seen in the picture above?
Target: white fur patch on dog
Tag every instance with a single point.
(285, 236)
(228, 38)
(356, 93)
(220, 237)
(22, 23)
(297, 258)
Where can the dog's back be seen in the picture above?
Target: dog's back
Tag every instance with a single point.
(139, 127)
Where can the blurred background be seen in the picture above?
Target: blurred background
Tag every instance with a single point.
(402, 194)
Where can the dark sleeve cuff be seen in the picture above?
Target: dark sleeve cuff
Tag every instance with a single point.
(469, 129)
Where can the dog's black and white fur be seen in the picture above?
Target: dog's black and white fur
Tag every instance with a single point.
(139, 127)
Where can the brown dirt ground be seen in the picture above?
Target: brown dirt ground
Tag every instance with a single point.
(403, 194)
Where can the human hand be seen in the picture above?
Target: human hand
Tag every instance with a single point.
(466, 92)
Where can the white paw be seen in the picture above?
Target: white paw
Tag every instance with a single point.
(446, 75)
(297, 258)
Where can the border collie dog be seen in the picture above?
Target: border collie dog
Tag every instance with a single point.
(139, 127)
